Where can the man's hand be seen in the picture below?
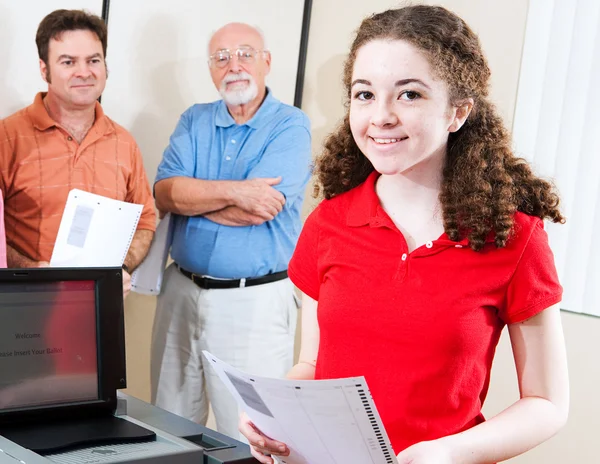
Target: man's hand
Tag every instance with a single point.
(139, 248)
(126, 283)
(259, 198)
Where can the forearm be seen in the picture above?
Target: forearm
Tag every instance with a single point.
(306, 367)
(303, 370)
(519, 428)
(138, 248)
(15, 259)
(234, 217)
(192, 197)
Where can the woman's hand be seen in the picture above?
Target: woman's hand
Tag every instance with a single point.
(261, 446)
(426, 452)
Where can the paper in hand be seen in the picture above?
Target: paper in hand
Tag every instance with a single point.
(321, 421)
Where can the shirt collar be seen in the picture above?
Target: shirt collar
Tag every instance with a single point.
(366, 209)
(266, 109)
(39, 115)
(364, 203)
(42, 120)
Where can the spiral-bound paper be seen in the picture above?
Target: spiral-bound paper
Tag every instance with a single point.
(95, 231)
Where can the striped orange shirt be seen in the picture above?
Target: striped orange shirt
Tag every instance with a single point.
(40, 163)
(2, 234)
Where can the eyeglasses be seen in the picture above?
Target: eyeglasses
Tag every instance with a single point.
(221, 58)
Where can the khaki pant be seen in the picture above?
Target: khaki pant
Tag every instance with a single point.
(250, 328)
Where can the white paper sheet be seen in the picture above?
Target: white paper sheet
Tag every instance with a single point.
(95, 231)
(147, 278)
(321, 421)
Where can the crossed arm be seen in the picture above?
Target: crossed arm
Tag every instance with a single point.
(279, 175)
(231, 203)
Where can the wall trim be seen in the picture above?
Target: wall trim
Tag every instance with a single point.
(303, 52)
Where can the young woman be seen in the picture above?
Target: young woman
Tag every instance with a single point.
(429, 241)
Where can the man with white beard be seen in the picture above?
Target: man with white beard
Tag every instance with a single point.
(233, 176)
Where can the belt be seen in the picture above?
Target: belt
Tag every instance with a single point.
(208, 283)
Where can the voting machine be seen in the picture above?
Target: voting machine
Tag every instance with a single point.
(62, 360)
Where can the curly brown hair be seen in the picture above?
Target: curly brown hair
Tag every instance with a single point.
(484, 183)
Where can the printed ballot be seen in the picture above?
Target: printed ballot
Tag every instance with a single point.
(332, 421)
(95, 231)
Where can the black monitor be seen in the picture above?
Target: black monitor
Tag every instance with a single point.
(52, 322)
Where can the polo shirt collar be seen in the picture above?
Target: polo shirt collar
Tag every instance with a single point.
(366, 209)
(365, 203)
(39, 115)
(266, 109)
(42, 120)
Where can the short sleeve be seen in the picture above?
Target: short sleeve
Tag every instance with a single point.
(303, 269)
(534, 285)
(179, 157)
(287, 155)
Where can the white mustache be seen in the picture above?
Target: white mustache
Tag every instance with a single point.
(237, 77)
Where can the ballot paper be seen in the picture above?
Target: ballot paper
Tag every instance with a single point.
(147, 278)
(95, 231)
(321, 421)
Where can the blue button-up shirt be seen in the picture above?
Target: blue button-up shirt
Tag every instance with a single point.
(208, 144)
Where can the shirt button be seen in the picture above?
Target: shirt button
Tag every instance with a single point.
(69, 138)
(232, 141)
(228, 158)
(404, 256)
(457, 246)
(429, 244)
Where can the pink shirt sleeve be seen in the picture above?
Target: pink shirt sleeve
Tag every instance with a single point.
(2, 234)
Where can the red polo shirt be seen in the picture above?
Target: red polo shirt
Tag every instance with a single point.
(422, 327)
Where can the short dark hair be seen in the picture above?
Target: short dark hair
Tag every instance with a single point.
(59, 21)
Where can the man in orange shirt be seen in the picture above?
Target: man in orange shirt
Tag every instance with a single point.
(64, 141)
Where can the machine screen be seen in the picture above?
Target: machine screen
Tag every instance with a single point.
(48, 351)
